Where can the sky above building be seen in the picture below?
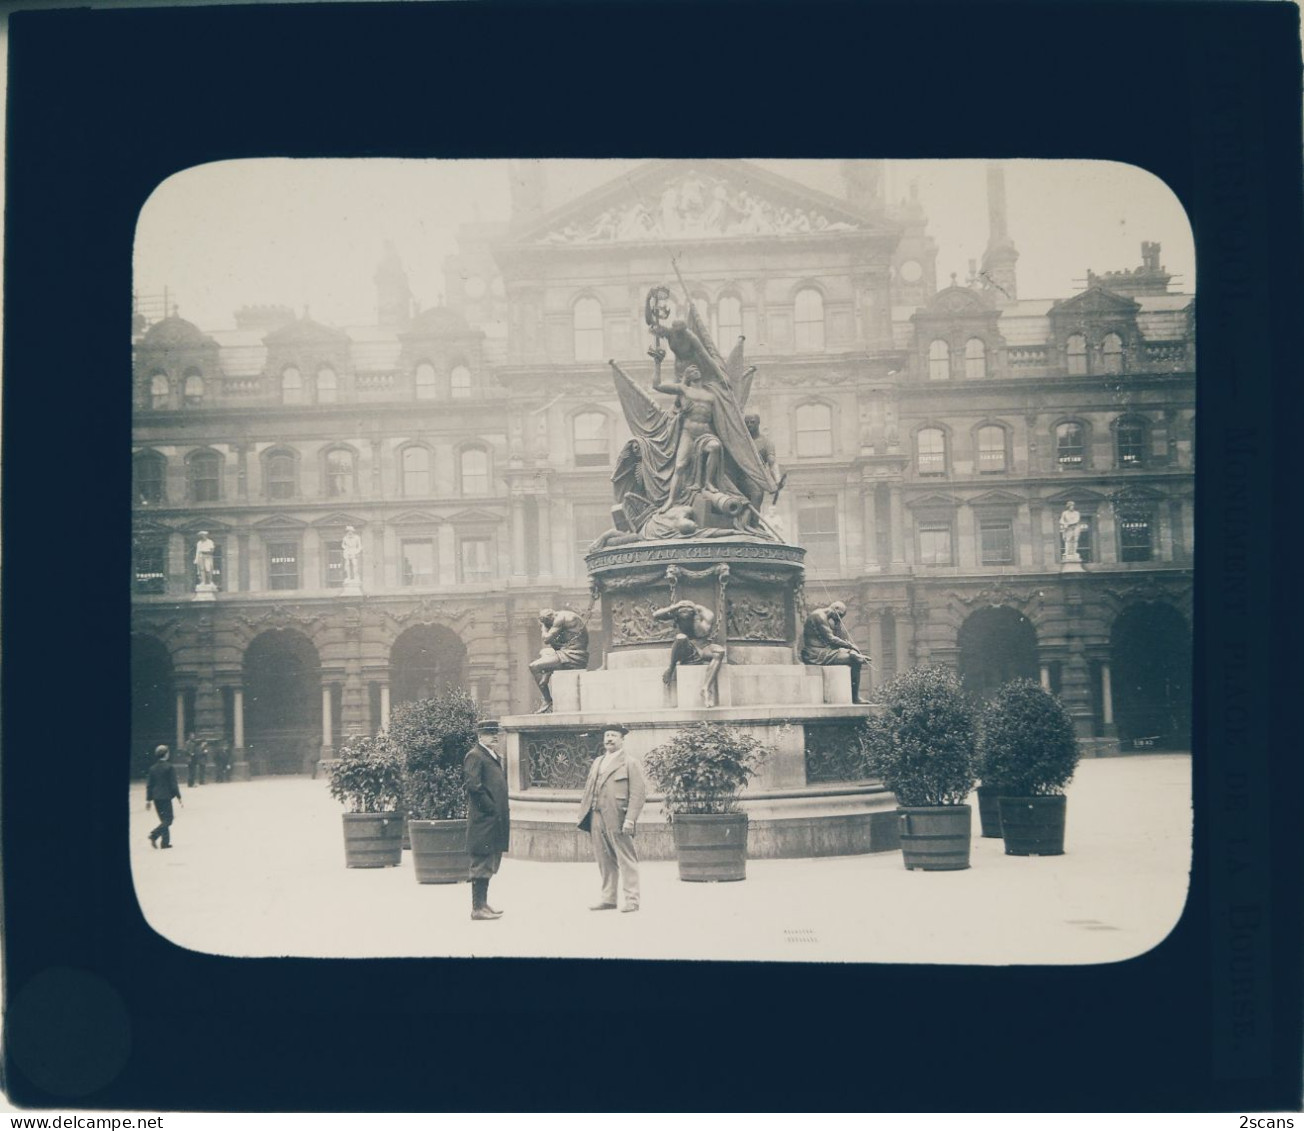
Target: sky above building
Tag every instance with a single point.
(310, 233)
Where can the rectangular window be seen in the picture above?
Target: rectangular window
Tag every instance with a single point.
(476, 558)
(334, 565)
(149, 481)
(283, 565)
(418, 561)
(991, 450)
(205, 481)
(996, 541)
(817, 530)
(1134, 540)
(1070, 445)
(150, 567)
(1131, 446)
(591, 520)
(935, 543)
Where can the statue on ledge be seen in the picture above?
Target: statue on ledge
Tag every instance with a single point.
(205, 550)
(565, 646)
(351, 550)
(1071, 527)
(825, 642)
(693, 645)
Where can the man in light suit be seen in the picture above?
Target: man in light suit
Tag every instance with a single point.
(488, 824)
(613, 799)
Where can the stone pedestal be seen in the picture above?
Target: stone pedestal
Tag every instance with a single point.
(350, 588)
(205, 591)
(1072, 564)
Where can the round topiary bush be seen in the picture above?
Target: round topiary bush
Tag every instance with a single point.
(367, 777)
(923, 745)
(432, 737)
(704, 768)
(1026, 742)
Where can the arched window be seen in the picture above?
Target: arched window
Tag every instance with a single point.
(814, 430)
(149, 472)
(194, 390)
(991, 448)
(1130, 435)
(589, 434)
(282, 475)
(809, 321)
(729, 318)
(930, 449)
(939, 361)
(159, 391)
(1077, 355)
(339, 473)
(205, 475)
(588, 330)
(474, 466)
(1070, 444)
(291, 386)
(425, 382)
(1112, 353)
(975, 359)
(460, 380)
(416, 472)
(327, 385)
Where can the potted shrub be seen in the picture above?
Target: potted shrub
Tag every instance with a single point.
(923, 747)
(432, 737)
(368, 779)
(700, 772)
(1028, 746)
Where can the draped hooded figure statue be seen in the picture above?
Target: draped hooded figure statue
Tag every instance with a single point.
(702, 450)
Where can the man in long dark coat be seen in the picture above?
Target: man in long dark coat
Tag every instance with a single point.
(160, 788)
(488, 823)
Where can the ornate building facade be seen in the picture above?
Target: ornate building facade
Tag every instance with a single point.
(931, 440)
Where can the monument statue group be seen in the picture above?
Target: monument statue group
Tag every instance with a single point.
(697, 468)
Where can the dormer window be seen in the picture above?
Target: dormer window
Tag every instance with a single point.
(159, 391)
(1076, 352)
(291, 386)
(194, 390)
(1111, 352)
(975, 359)
(939, 361)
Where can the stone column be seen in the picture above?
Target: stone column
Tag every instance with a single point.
(1181, 550)
(447, 555)
(384, 707)
(181, 719)
(871, 525)
(543, 506)
(1105, 547)
(326, 736)
(1037, 516)
(897, 518)
(904, 635)
(242, 542)
(1106, 696)
(239, 758)
(518, 535)
(242, 472)
(1045, 677)
(873, 674)
(1163, 519)
(966, 549)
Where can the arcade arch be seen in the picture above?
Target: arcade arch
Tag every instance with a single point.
(283, 718)
(996, 646)
(424, 661)
(1150, 661)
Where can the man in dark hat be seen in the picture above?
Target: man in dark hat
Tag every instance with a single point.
(488, 823)
(160, 788)
(609, 810)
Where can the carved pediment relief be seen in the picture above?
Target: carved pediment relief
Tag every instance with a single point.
(1096, 303)
(934, 502)
(150, 528)
(476, 517)
(415, 518)
(703, 200)
(279, 521)
(1083, 497)
(341, 520)
(955, 301)
(997, 499)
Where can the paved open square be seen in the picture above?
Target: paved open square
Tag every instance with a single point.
(258, 870)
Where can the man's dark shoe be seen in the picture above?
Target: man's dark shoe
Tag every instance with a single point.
(153, 840)
(603, 907)
(485, 913)
(167, 846)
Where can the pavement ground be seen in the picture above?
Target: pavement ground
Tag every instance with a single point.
(257, 869)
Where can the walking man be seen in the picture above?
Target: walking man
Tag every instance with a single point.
(609, 810)
(488, 824)
(161, 787)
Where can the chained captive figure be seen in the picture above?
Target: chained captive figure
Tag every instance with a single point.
(565, 646)
(825, 642)
(693, 644)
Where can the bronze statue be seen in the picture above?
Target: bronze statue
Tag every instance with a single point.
(693, 645)
(701, 454)
(565, 646)
(825, 642)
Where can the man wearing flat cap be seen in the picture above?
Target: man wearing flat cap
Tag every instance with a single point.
(487, 821)
(613, 799)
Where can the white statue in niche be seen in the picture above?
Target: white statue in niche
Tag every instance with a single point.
(1071, 528)
(351, 549)
(205, 551)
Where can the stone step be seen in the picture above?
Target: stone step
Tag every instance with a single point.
(739, 686)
